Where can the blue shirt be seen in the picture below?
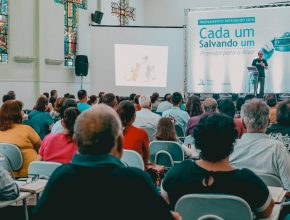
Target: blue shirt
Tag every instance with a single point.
(83, 106)
(43, 119)
(181, 117)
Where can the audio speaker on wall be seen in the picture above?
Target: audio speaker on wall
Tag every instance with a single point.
(97, 17)
(81, 65)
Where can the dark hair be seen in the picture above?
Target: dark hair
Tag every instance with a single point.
(249, 97)
(239, 102)
(6, 98)
(227, 107)
(215, 135)
(136, 99)
(10, 113)
(110, 100)
(283, 113)
(271, 100)
(66, 95)
(154, 97)
(12, 94)
(41, 103)
(70, 116)
(92, 99)
(167, 97)
(82, 94)
(176, 98)
(46, 94)
(126, 111)
(53, 92)
(132, 96)
(166, 130)
(216, 96)
(52, 100)
(193, 106)
(67, 103)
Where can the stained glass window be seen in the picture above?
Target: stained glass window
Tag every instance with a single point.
(3, 31)
(70, 28)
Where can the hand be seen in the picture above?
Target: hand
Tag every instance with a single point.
(176, 215)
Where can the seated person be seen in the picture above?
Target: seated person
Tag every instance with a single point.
(96, 185)
(214, 136)
(60, 147)
(8, 188)
(134, 138)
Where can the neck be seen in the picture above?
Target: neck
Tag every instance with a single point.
(222, 165)
(260, 131)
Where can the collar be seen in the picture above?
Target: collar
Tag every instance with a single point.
(254, 136)
(104, 160)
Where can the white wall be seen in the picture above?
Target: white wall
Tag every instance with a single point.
(171, 12)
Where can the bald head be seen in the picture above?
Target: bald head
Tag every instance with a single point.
(98, 130)
(209, 105)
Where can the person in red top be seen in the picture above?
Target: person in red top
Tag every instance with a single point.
(134, 138)
(60, 147)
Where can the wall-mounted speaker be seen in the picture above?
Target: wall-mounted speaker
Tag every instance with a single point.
(81, 65)
(97, 17)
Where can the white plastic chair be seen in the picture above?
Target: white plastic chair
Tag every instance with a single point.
(133, 159)
(180, 132)
(227, 207)
(270, 180)
(12, 155)
(43, 168)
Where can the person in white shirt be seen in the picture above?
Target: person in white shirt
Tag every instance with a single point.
(145, 117)
(256, 150)
(165, 104)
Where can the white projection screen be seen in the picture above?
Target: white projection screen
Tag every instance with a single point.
(223, 43)
(141, 60)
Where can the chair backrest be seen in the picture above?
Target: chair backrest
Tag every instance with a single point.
(133, 159)
(197, 206)
(270, 180)
(151, 132)
(180, 132)
(173, 148)
(164, 158)
(12, 154)
(43, 168)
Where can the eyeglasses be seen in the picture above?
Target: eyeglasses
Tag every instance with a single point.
(29, 179)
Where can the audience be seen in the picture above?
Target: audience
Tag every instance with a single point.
(93, 100)
(281, 130)
(83, 99)
(41, 117)
(55, 112)
(180, 117)
(110, 100)
(145, 117)
(215, 136)
(134, 138)
(8, 188)
(60, 147)
(165, 104)
(209, 106)
(256, 150)
(154, 101)
(193, 106)
(98, 180)
(271, 101)
(12, 131)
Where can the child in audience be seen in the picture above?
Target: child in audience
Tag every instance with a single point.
(60, 147)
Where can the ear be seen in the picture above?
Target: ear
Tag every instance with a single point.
(62, 123)
(244, 125)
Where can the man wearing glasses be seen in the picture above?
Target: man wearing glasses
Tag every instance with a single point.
(261, 65)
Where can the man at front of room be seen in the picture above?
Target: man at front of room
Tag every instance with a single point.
(261, 65)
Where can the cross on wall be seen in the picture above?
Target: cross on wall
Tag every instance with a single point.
(71, 27)
(123, 11)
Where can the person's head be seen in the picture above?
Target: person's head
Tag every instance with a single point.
(214, 136)
(12, 94)
(271, 100)
(209, 105)
(167, 97)
(255, 116)
(145, 102)
(52, 100)
(10, 113)
(240, 101)
(98, 131)
(193, 106)
(41, 104)
(154, 97)
(53, 93)
(227, 107)
(46, 94)
(260, 54)
(93, 99)
(82, 95)
(176, 98)
(67, 104)
(110, 100)
(127, 113)
(166, 130)
(58, 104)
(68, 121)
(101, 96)
(283, 113)
(66, 95)
(6, 98)
(249, 97)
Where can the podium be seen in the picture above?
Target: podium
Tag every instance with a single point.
(253, 79)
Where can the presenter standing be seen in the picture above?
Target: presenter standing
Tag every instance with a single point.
(261, 65)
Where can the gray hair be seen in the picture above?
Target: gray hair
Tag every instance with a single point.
(210, 105)
(255, 114)
(144, 101)
(97, 130)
